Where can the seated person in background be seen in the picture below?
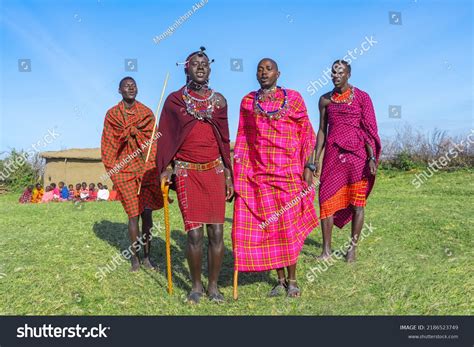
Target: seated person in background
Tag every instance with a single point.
(63, 192)
(55, 190)
(37, 194)
(48, 196)
(103, 194)
(77, 192)
(84, 191)
(71, 192)
(25, 198)
(113, 195)
(92, 192)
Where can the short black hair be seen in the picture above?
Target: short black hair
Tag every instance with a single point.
(270, 60)
(343, 62)
(126, 78)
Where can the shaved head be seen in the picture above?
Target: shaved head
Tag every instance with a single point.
(124, 79)
(271, 61)
(267, 73)
(343, 62)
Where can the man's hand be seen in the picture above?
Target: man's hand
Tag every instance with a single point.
(229, 188)
(308, 176)
(167, 174)
(373, 167)
(316, 172)
(229, 185)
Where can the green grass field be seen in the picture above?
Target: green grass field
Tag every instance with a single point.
(418, 260)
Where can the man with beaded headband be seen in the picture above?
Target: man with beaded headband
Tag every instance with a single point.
(274, 211)
(195, 147)
(348, 135)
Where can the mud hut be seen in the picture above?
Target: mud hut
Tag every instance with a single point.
(74, 166)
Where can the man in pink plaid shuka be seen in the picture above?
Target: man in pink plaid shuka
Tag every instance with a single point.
(274, 211)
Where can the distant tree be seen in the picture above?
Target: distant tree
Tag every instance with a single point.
(18, 170)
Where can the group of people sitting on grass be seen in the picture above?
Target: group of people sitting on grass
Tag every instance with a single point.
(82, 192)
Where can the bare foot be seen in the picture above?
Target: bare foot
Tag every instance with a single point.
(135, 264)
(149, 264)
(351, 255)
(325, 255)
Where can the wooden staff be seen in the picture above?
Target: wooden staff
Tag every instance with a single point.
(236, 281)
(154, 127)
(165, 190)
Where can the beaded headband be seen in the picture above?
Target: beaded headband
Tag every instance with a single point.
(200, 53)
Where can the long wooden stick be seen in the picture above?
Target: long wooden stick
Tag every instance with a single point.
(150, 145)
(236, 283)
(165, 190)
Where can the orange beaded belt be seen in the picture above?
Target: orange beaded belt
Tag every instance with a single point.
(196, 166)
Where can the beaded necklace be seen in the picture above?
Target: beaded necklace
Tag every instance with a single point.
(275, 114)
(199, 108)
(345, 97)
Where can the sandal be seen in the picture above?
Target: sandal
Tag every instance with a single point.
(293, 290)
(195, 297)
(279, 289)
(217, 298)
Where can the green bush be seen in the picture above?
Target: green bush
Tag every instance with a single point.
(18, 176)
(404, 161)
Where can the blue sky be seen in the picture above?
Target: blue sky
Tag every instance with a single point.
(77, 51)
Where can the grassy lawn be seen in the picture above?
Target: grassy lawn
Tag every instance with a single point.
(417, 260)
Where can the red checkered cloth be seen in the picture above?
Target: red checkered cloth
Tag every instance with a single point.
(201, 194)
(125, 141)
(273, 211)
(345, 163)
(201, 197)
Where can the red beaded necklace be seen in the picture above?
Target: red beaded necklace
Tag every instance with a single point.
(344, 97)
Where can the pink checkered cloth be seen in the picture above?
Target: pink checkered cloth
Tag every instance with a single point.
(269, 159)
(345, 157)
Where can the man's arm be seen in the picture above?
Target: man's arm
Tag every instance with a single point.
(221, 103)
(109, 145)
(323, 126)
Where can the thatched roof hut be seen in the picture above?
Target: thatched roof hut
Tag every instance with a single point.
(74, 166)
(77, 165)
